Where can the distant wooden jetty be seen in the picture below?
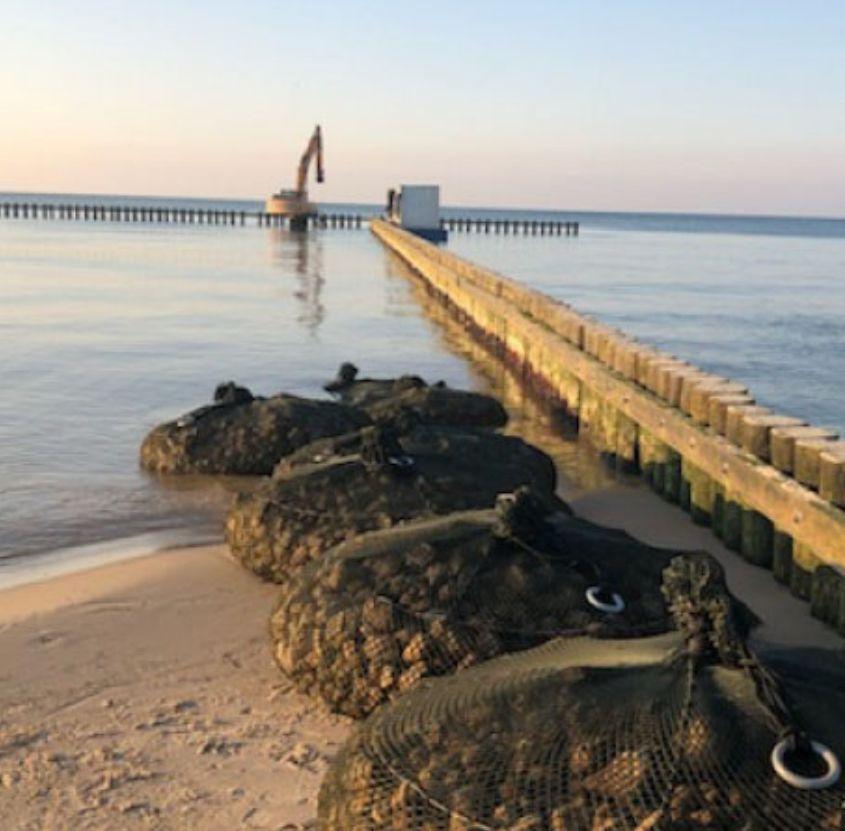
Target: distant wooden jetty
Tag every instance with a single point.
(532, 227)
(160, 214)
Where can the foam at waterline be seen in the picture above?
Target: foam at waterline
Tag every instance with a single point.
(35, 568)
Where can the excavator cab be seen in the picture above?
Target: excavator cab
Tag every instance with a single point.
(294, 203)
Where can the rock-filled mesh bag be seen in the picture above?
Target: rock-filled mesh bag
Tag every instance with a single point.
(240, 434)
(388, 400)
(376, 615)
(305, 510)
(672, 732)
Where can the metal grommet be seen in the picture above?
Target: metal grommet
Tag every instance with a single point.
(806, 783)
(594, 595)
(402, 463)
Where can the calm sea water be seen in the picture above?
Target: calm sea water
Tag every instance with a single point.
(767, 309)
(107, 329)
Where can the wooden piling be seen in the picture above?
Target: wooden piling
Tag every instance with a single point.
(807, 459)
(832, 474)
(630, 395)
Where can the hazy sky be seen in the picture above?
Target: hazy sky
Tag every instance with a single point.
(636, 105)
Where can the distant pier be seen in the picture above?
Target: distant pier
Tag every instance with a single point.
(168, 215)
(526, 227)
(157, 214)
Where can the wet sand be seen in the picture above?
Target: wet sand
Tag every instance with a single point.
(786, 621)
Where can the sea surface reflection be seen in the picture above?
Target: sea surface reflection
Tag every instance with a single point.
(106, 330)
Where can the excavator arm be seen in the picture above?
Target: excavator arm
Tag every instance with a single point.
(315, 148)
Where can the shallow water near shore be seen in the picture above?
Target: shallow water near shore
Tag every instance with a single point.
(107, 329)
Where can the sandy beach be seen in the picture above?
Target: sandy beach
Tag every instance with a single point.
(142, 695)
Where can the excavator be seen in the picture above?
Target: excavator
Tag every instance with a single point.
(294, 203)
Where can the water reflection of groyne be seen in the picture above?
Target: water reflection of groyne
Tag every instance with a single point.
(531, 418)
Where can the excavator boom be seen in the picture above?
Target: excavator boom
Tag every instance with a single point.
(315, 148)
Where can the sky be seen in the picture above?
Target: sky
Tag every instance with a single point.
(716, 106)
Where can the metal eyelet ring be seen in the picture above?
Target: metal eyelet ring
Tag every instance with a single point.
(806, 783)
(594, 599)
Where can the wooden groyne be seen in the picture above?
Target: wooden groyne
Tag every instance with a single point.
(159, 214)
(93, 212)
(771, 487)
(532, 227)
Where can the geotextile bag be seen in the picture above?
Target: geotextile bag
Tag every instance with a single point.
(308, 507)
(686, 730)
(374, 616)
(240, 434)
(386, 400)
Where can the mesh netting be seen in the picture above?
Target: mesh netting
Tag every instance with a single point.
(667, 732)
(387, 400)
(373, 617)
(434, 449)
(305, 509)
(242, 434)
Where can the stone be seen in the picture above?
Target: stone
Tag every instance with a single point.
(243, 435)
(387, 401)
(515, 576)
(375, 480)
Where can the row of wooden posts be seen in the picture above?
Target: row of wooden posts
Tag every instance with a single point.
(515, 226)
(192, 216)
(205, 216)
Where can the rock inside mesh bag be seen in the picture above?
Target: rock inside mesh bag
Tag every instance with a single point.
(375, 616)
(388, 400)
(675, 731)
(243, 434)
(307, 508)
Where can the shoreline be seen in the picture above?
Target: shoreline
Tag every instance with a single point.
(28, 569)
